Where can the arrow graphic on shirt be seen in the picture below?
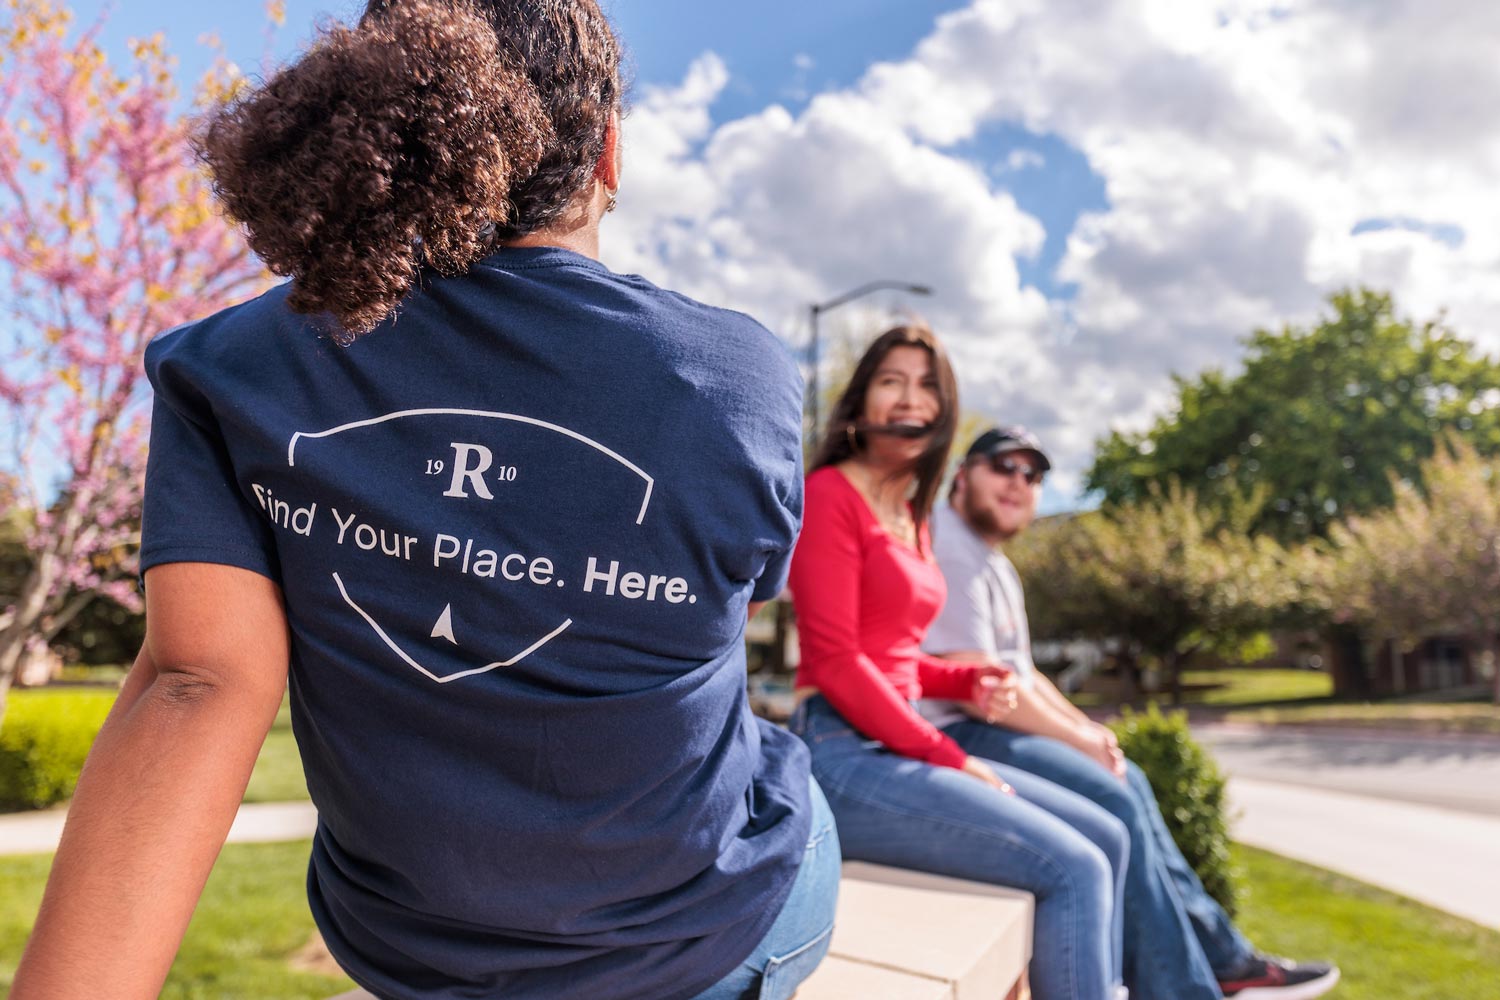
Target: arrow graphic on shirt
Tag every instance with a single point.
(444, 627)
(385, 637)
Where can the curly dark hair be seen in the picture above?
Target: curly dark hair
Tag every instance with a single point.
(417, 138)
(842, 439)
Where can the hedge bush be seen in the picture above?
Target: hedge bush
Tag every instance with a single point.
(1190, 788)
(43, 742)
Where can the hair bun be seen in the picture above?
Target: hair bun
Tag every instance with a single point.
(384, 147)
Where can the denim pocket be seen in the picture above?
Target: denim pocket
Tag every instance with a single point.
(784, 973)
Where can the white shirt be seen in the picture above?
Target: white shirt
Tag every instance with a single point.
(985, 610)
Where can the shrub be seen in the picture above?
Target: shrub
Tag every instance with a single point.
(1190, 788)
(44, 740)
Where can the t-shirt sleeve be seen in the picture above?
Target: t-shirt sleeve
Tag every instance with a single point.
(777, 406)
(773, 577)
(194, 510)
(825, 582)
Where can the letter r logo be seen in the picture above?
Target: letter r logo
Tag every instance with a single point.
(462, 454)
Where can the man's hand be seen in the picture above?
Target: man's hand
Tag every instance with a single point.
(1099, 742)
(994, 694)
(976, 768)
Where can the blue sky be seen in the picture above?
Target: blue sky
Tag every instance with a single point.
(760, 42)
(1101, 192)
(776, 52)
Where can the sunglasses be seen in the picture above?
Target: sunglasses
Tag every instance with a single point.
(1009, 465)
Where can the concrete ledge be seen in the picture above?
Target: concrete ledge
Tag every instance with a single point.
(903, 935)
(843, 979)
(962, 940)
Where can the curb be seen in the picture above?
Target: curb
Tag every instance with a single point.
(1446, 738)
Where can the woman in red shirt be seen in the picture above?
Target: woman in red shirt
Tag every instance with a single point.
(866, 588)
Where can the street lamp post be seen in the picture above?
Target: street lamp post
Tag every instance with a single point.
(819, 308)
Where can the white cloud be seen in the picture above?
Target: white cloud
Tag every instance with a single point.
(778, 211)
(1024, 159)
(1240, 143)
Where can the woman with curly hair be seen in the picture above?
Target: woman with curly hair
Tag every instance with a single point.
(498, 515)
(866, 587)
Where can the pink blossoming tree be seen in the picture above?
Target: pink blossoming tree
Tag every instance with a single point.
(108, 236)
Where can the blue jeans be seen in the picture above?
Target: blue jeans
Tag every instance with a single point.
(1069, 853)
(799, 938)
(1176, 936)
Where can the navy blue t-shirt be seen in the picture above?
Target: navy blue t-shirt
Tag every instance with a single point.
(517, 529)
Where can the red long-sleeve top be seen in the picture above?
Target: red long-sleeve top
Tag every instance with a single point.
(864, 600)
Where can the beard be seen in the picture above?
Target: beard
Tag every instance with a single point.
(983, 520)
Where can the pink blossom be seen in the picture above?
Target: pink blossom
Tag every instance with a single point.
(100, 252)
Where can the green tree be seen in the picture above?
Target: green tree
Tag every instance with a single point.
(1319, 419)
(1430, 560)
(1164, 575)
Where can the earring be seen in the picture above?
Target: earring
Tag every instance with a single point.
(852, 436)
(614, 195)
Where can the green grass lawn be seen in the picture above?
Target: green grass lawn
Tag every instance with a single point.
(1248, 686)
(278, 769)
(254, 919)
(1388, 947)
(1238, 686)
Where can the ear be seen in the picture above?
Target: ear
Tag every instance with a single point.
(607, 170)
(960, 481)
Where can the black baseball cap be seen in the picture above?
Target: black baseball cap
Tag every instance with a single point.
(999, 440)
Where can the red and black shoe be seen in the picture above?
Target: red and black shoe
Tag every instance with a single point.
(1266, 977)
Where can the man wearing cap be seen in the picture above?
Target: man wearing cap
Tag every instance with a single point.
(1179, 943)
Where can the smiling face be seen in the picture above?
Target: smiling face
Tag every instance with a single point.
(995, 497)
(903, 392)
(902, 383)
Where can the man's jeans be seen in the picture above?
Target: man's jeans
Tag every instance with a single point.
(1176, 936)
(799, 938)
(1069, 853)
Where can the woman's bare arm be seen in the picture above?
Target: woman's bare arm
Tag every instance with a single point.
(161, 786)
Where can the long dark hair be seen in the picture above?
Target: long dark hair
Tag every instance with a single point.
(842, 439)
(419, 137)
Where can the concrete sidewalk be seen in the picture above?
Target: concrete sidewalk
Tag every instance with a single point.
(1441, 857)
(257, 823)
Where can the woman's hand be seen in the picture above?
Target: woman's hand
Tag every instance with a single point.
(1099, 742)
(995, 690)
(976, 768)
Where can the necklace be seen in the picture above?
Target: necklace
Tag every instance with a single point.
(894, 515)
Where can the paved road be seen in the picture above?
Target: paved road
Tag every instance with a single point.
(1420, 817)
(1458, 774)
(1440, 857)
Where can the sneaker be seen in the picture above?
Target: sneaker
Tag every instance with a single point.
(1266, 977)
